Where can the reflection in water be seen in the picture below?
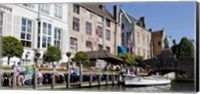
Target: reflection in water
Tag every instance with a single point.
(174, 87)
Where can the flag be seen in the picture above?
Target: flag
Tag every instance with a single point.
(98, 39)
(97, 31)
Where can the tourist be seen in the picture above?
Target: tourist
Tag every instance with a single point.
(20, 74)
(28, 76)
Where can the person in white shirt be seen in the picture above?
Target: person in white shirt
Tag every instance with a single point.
(20, 74)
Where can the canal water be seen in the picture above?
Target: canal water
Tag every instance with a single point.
(179, 87)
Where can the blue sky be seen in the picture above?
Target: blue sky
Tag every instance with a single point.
(177, 18)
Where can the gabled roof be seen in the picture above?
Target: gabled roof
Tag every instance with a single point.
(94, 7)
(130, 18)
(133, 19)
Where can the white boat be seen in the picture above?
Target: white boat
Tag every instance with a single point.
(146, 81)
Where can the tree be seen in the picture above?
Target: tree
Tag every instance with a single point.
(81, 57)
(139, 60)
(184, 49)
(52, 54)
(129, 58)
(11, 47)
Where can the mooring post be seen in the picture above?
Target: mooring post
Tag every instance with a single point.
(35, 78)
(81, 75)
(113, 78)
(99, 80)
(68, 75)
(107, 78)
(14, 78)
(90, 82)
(53, 79)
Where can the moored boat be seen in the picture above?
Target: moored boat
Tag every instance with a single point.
(146, 81)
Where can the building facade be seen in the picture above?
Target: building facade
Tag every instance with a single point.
(92, 28)
(37, 26)
(158, 43)
(135, 38)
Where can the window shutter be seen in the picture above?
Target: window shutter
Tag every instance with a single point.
(8, 24)
(17, 27)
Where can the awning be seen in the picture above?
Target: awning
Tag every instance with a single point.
(104, 55)
(121, 50)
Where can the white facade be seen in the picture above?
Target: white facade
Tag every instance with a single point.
(135, 38)
(36, 30)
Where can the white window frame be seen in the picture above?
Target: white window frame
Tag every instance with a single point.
(26, 31)
(88, 45)
(46, 35)
(57, 37)
(45, 8)
(88, 28)
(108, 34)
(58, 10)
(100, 31)
(73, 45)
(76, 24)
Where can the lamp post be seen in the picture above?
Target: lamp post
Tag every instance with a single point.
(37, 54)
(26, 56)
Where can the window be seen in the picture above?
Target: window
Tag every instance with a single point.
(89, 45)
(88, 28)
(100, 47)
(73, 45)
(108, 49)
(122, 27)
(144, 40)
(144, 53)
(107, 23)
(107, 34)
(28, 5)
(138, 37)
(26, 30)
(148, 41)
(46, 36)
(100, 31)
(44, 8)
(138, 51)
(75, 24)
(128, 35)
(57, 37)
(58, 10)
(76, 8)
(1, 22)
(123, 39)
(88, 15)
(99, 19)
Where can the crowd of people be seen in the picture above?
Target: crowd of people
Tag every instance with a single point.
(25, 76)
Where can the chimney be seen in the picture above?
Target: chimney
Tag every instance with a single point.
(142, 19)
(102, 7)
(115, 13)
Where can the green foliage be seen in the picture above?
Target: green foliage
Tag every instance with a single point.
(68, 54)
(81, 57)
(131, 59)
(52, 54)
(12, 47)
(184, 48)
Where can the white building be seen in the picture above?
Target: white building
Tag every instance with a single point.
(36, 26)
(135, 38)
